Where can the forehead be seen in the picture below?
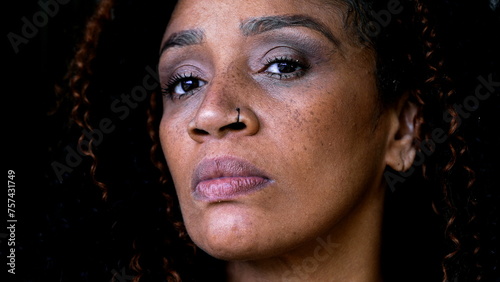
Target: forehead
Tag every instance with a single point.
(222, 16)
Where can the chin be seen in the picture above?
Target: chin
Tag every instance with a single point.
(232, 249)
(230, 253)
(230, 237)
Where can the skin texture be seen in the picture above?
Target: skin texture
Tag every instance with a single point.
(318, 134)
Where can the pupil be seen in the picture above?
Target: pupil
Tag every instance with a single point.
(286, 67)
(188, 85)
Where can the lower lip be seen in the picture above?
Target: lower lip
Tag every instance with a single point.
(228, 188)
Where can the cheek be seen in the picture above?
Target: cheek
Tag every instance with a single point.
(180, 155)
(331, 150)
(171, 139)
(168, 139)
(327, 156)
(332, 124)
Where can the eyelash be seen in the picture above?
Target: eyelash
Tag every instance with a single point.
(304, 67)
(174, 81)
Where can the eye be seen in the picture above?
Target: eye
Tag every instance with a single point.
(285, 68)
(181, 85)
(187, 85)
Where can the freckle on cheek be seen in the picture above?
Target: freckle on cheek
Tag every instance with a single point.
(297, 117)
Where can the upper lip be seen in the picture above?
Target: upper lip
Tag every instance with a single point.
(220, 167)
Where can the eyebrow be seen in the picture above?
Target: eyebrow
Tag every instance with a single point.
(251, 27)
(183, 38)
(256, 26)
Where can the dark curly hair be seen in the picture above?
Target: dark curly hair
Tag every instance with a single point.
(411, 58)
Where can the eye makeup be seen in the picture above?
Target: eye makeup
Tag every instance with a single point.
(285, 54)
(181, 85)
(295, 43)
(183, 80)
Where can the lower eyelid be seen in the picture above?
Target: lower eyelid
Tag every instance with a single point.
(281, 76)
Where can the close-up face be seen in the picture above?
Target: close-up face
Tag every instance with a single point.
(272, 126)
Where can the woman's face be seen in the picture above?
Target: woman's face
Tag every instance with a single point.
(271, 127)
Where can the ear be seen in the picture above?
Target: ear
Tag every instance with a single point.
(404, 129)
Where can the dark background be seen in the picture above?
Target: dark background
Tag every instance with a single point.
(65, 232)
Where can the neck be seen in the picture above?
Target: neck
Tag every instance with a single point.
(350, 251)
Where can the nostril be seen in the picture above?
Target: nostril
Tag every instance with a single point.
(200, 131)
(219, 122)
(234, 126)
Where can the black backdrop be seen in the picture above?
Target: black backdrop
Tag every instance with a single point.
(65, 232)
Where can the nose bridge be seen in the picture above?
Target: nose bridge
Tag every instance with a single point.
(224, 107)
(221, 97)
(229, 81)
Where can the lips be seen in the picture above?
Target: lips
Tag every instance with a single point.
(224, 179)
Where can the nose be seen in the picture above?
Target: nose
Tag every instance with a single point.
(221, 115)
